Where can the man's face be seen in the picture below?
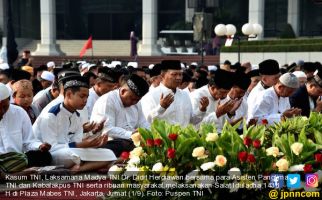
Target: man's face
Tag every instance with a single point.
(236, 92)
(78, 99)
(105, 86)
(284, 91)
(270, 80)
(45, 84)
(253, 83)
(218, 93)
(4, 106)
(4, 78)
(128, 97)
(314, 90)
(172, 78)
(23, 97)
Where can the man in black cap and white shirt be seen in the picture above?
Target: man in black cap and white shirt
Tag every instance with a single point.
(307, 96)
(269, 72)
(106, 81)
(122, 112)
(273, 104)
(216, 90)
(168, 102)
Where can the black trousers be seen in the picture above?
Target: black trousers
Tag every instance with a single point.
(119, 145)
(38, 158)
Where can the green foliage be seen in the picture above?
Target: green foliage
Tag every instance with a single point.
(285, 45)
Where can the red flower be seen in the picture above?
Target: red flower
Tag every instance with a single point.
(308, 168)
(171, 153)
(247, 141)
(251, 158)
(257, 143)
(125, 155)
(264, 121)
(158, 142)
(242, 156)
(149, 142)
(173, 136)
(318, 157)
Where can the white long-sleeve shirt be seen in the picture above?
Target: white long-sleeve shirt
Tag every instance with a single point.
(252, 97)
(59, 127)
(16, 132)
(179, 112)
(195, 97)
(269, 106)
(92, 98)
(121, 121)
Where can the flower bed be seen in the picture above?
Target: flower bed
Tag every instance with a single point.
(169, 159)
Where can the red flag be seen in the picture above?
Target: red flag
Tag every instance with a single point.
(87, 45)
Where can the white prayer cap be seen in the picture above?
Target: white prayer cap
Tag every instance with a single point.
(104, 64)
(212, 68)
(84, 66)
(255, 67)
(289, 80)
(133, 64)
(4, 66)
(114, 63)
(4, 92)
(48, 76)
(194, 63)
(89, 66)
(300, 74)
(50, 64)
(151, 66)
(81, 62)
(182, 66)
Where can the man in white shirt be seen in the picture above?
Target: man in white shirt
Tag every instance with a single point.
(216, 90)
(61, 127)
(155, 77)
(307, 97)
(237, 92)
(273, 104)
(269, 72)
(168, 102)
(122, 112)
(255, 79)
(106, 81)
(17, 139)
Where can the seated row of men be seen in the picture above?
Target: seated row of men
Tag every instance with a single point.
(116, 106)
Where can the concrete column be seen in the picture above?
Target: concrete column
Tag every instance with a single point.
(149, 28)
(189, 13)
(48, 46)
(293, 15)
(256, 14)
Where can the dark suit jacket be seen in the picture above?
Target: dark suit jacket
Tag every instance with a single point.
(300, 99)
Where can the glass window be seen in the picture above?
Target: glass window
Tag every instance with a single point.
(275, 19)
(310, 18)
